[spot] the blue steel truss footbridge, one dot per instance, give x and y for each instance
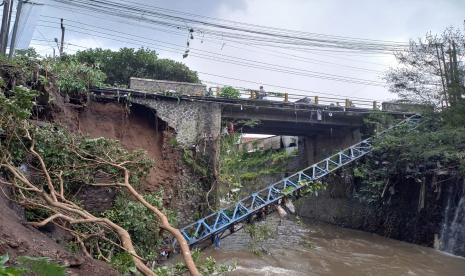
(213, 226)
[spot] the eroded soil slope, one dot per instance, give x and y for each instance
(138, 127)
(19, 239)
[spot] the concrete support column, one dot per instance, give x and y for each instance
(321, 145)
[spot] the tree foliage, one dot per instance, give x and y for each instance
(47, 165)
(73, 77)
(230, 92)
(121, 65)
(237, 167)
(430, 71)
(40, 266)
(435, 148)
(207, 266)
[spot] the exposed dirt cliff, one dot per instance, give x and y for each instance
(137, 127)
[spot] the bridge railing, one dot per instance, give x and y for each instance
(214, 224)
(296, 98)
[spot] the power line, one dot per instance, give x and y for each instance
(254, 25)
(273, 53)
(223, 40)
(261, 34)
(238, 61)
(98, 27)
(254, 82)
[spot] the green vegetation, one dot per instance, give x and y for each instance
(435, 150)
(26, 265)
(70, 159)
(120, 65)
(8, 270)
(207, 266)
(197, 163)
(239, 167)
(258, 233)
(142, 224)
(230, 92)
(73, 77)
(430, 71)
(313, 188)
(436, 147)
(47, 166)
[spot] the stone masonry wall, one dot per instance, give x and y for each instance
(160, 86)
(192, 121)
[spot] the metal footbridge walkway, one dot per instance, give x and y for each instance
(214, 225)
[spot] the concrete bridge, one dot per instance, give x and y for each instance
(322, 129)
(197, 121)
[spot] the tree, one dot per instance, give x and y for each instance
(230, 92)
(75, 78)
(121, 65)
(429, 70)
(62, 162)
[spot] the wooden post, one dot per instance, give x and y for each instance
(316, 99)
(286, 97)
(217, 91)
(375, 106)
(253, 94)
(347, 103)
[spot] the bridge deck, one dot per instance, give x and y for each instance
(238, 103)
(275, 117)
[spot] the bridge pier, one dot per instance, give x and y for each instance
(320, 145)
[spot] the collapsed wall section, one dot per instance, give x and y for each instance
(192, 121)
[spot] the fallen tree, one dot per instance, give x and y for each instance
(45, 165)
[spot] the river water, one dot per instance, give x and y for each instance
(306, 248)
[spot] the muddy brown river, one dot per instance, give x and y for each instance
(306, 248)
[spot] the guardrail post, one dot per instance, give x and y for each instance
(286, 97)
(252, 94)
(347, 103)
(316, 99)
(375, 106)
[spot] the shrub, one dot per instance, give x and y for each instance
(230, 92)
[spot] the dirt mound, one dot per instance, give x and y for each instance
(19, 239)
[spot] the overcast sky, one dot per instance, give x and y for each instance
(393, 20)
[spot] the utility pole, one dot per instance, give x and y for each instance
(15, 29)
(9, 23)
(444, 89)
(4, 29)
(62, 37)
(459, 90)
